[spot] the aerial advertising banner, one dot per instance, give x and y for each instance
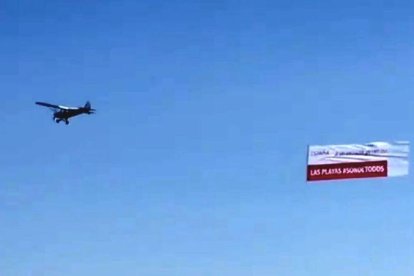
(377, 159)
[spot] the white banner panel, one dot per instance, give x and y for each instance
(376, 159)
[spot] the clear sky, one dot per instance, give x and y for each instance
(195, 161)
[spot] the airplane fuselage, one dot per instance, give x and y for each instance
(64, 115)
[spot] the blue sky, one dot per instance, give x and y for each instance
(195, 161)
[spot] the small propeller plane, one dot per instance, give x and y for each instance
(63, 113)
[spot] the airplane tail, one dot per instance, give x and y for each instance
(89, 108)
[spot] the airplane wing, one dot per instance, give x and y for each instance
(53, 106)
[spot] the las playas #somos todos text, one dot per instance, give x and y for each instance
(364, 169)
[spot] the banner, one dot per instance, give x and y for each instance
(377, 159)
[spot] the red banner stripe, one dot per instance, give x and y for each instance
(347, 170)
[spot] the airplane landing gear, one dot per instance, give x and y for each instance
(59, 120)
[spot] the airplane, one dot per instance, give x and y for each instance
(63, 113)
